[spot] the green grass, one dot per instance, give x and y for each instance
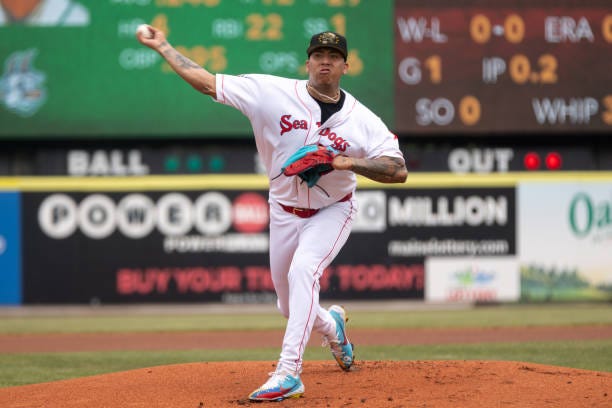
(28, 368)
(502, 316)
(21, 369)
(166, 323)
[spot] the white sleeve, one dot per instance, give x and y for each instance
(382, 142)
(241, 92)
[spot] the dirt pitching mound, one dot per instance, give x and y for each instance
(438, 384)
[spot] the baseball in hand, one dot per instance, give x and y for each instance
(143, 31)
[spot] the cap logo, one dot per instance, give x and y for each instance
(328, 38)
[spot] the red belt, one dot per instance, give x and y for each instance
(309, 212)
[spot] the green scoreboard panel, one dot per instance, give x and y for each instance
(73, 68)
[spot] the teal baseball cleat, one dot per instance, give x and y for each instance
(341, 347)
(280, 386)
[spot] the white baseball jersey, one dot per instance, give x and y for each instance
(285, 117)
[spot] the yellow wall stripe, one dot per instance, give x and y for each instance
(252, 181)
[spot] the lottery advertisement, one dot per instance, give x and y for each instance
(407, 227)
(565, 240)
(472, 279)
(450, 222)
(153, 246)
(158, 246)
(181, 246)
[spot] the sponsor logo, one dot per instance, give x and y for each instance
(135, 216)
(372, 214)
(470, 277)
(590, 218)
(444, 247)
(471, 210)
(472, 285)
(250, 213)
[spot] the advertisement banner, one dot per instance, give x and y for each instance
(565, 240)
(402, 228)
(153, 246)
(10, 248)
(188, 246)
(451, 222)
(181, 247)
(471, 279)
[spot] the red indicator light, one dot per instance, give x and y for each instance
(553, 161)
(531, 161)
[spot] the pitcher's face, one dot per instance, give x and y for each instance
(326, 66)
(20, 9)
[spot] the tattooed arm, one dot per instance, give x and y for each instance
(192, 73)
(383, 169)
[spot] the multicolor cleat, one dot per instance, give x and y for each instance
(280, 386)
(341, 348)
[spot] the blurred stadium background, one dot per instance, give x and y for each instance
(121, 185)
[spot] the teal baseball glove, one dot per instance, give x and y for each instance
(310, 162)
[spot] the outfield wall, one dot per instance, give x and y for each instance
(439, 237)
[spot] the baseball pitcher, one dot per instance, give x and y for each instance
(313, 137)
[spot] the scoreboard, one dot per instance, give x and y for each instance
(503, 66)
(426, 67)
(86, 77)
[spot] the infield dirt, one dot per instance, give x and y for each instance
(439, 384)
(432, 384)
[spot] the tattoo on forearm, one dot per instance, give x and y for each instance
(385, 170)
(185, 62)
(198, 77)
(182, 61)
